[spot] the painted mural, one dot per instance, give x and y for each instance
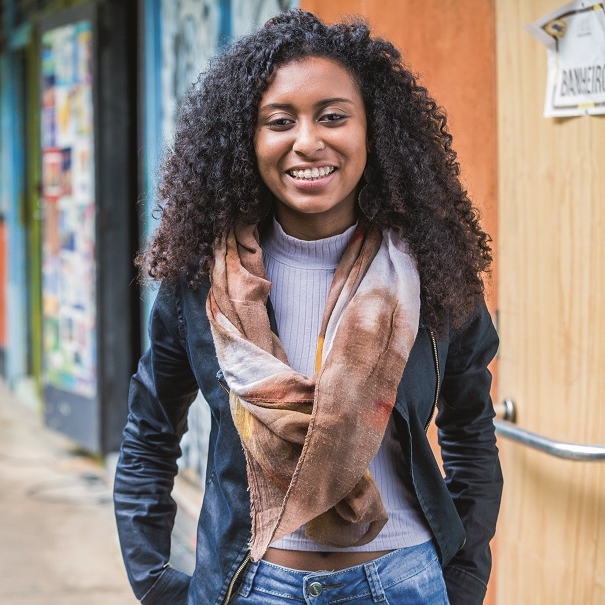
(192, 32)
(249, 15)
(68, 263)
(190, 36)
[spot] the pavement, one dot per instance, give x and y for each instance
(58, 540)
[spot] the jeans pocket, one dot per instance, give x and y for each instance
(427, 587)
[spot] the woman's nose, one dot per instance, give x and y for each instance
(308, 140)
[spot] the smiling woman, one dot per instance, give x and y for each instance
(310, 143)
(321, 272)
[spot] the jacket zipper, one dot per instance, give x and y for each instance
(243, 564)
(235, 577)
(224, 388)
(438, 387)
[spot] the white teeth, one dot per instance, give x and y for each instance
(311, 174)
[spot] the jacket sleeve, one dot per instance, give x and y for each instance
(470, 456)
(159, 397)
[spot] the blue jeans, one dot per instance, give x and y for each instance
(408, 576)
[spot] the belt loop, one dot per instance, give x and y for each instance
(373, 578)
(246, 586)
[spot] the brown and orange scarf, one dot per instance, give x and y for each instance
(309, 440)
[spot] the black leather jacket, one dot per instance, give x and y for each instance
(460, 510)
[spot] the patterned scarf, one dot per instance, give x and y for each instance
(308, 440)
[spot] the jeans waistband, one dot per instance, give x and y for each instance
(370, 578)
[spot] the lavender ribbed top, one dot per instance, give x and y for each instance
(301, 272)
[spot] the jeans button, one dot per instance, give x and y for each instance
(314, 589)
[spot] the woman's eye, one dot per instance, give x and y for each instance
(332, 117)
(279, 123)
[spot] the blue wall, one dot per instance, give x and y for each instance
(13, 198)
(190, 36)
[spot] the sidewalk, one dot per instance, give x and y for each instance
(58, 542)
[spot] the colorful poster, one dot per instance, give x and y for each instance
(68, 263)
(574, 36)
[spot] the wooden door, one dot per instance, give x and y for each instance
(551, 535)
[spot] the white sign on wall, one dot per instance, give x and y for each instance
(574, 35)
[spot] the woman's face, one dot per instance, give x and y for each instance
(311, 146)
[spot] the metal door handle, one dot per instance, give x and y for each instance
(504, 423)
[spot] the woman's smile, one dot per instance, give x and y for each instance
(312, 178)
(311, 174)
(311, 146)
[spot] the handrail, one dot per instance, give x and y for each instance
(569, 451)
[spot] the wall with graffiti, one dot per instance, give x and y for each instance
(193, 31)
(181, 37)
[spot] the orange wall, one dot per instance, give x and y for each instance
(451, 46)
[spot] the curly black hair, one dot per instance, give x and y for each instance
(210, 178)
